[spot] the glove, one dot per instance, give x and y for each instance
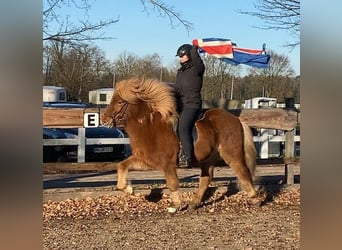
(194, 50)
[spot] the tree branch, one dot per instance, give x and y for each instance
(279, 15)
(80, 33)
(169, 12)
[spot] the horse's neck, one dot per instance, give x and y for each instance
(138, 111)
(142, 120)
(138, 116)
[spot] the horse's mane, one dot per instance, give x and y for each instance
(159, 96)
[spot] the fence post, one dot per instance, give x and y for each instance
(264, 144)
(289, 174)
(81, 145)
(289, 144)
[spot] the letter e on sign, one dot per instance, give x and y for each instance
(91, 120)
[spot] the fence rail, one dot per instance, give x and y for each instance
(264, 119)
(81, 141)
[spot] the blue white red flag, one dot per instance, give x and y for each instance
(218, 47)
(227, 51)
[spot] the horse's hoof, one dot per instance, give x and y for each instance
(182, 206)
(129, 189)
(177, 207)
(194, 205)
(174, 209)
(257, 201)
(254, 202)
(195, 202)
(176, 200)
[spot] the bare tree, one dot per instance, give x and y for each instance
(167, 11)
(275, 79)
(85, 30)
(67, 30)
(78, 69)
(125, 65)
(279, 65)
(218, 78)
(129, 65)
(279, 15)
(150, 66)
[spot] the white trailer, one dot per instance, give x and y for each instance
(54, 94)
(101, 96)
(264, 147)
(260, 102)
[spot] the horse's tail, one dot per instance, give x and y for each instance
(250, 151)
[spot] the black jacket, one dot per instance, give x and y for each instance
(189, 82)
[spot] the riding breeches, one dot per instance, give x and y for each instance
(187, 119)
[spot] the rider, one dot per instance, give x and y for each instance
(188, 93)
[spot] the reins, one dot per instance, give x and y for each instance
(118, 117)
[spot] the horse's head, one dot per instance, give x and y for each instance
(114, 116)
(150, 93)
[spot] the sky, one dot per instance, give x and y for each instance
(142, 33)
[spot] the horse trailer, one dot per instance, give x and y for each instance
(101, 96)
(54, 94)
(260, 102)
(265, 148)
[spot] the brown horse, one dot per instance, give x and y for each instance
(147, 110)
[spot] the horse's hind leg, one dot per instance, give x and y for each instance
(246, 180)
(206, 177)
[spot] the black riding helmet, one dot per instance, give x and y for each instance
(184, 50)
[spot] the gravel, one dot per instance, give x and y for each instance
(224, 221)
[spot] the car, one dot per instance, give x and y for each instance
(68, 153)
(54, 153)
(96, 152)
(68, 105)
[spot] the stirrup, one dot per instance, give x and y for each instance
(187, 162)
(182, 161)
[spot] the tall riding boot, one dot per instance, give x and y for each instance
(191, 162)
(182, 160)
(187, 162)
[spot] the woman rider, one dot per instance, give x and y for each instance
(188, 93)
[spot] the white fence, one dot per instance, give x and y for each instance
(263, 142)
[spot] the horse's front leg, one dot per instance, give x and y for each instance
(206, 177)
(122, 172)
(172, 182)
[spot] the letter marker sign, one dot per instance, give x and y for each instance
(91, 120)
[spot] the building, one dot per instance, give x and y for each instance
(101, 97)
(54, 94)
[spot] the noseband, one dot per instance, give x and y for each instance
(118, 118)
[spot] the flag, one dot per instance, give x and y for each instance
(218, 47)
(252, 57)
(227, 51)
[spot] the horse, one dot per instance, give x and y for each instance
(147, 110)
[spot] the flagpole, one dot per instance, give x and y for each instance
(161, 69)
(232, 89)
(113, 79)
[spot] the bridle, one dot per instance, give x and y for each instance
(118, 117)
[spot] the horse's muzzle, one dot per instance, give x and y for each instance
(110, 122)
(116, 119)
(107, 121)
